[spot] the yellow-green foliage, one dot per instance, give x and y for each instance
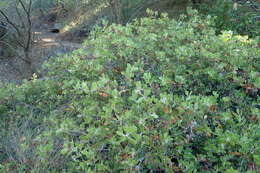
(243, 19)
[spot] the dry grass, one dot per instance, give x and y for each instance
(24, 147)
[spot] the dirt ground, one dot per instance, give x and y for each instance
(46, 45)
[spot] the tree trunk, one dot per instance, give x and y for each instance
(28, 65)
(116, 8)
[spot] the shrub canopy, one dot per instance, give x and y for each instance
(156, 95)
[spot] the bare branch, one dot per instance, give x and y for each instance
(5, 29)
(30, 25)
(10, 22)
(23, 29)
(28, 17)
(20, 16)
(23, 6)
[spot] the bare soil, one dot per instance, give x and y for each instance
(46, 45)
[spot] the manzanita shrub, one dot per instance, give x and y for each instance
(156, 95)
(243, 19)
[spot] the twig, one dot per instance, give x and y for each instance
(11, 23)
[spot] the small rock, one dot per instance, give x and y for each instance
(55, 29)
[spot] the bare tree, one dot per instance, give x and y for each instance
(19, 27)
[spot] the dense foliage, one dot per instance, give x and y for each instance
(157, 95)
(241, 17)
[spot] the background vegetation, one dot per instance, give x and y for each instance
(241, 17)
